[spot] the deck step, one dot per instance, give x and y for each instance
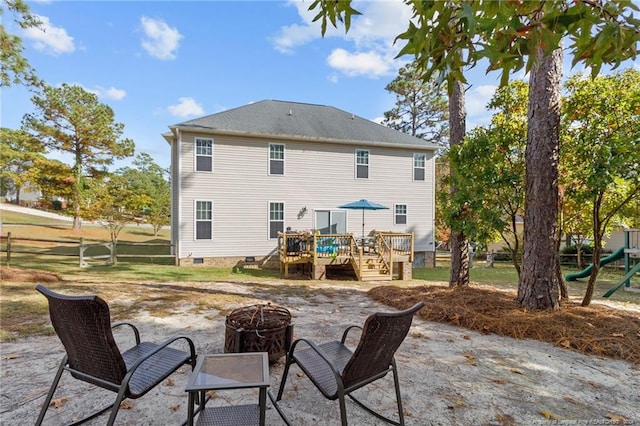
(374, 275)
(378, 277)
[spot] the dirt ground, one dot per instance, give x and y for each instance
(470, 358)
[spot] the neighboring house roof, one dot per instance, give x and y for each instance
(294, 120)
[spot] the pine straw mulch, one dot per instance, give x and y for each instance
(595, 329)
(28, 275)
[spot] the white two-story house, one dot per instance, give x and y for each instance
(241, 176)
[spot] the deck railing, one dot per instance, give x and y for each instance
(298, 247)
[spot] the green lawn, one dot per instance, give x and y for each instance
(146, 269)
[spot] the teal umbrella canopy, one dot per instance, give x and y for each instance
(363, 205)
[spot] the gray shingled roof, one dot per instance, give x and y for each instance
(307, 121)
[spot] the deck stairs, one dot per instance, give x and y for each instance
(373, 269)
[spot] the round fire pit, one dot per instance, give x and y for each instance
(259, 328)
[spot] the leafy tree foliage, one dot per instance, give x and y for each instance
(18, 152)
(489, 174)
(602, 151)
(573, 220)
(108, 201)
(14, 67)
(150, 192)
(447, 37)
(443, 231)
(420, 110)
(69, 119)
(53, 178)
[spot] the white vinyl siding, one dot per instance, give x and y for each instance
(204, 220)
(419, 166)
(276, 159)
(400, 214)
(204, 155)
(362, 164)
(319, 176)
(276, 218)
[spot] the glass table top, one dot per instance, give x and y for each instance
(230, 371)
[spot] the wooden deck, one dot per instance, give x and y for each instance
(377, 258)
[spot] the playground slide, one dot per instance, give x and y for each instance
(618, 254)
(624, 279)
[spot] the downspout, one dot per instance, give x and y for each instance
(178, 185)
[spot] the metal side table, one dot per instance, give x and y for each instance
(229, 371)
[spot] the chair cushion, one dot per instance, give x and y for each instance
(155, 369)
(317, 369)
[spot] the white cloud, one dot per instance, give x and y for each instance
(161, 41)
(355, 64)
(50, 39)
(333, 78)
(186, 107)
(476, 100)
(369, 42)
(293, 36)
(112, 93)
(379, 24)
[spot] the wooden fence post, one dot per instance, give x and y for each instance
(113, 248)
(81, 252)
(8, 247)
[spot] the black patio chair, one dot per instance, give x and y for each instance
(84, 326)
(337, 371)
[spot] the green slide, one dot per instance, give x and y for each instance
(624, 279)
(618, 254)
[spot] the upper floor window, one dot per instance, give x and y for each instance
(276, 219)
(204, 155)
(400, 214)
(204, 220)
(362, 164)
(419, 166)
(276, 159)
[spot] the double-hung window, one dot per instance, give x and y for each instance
(276, 218)
(204, 155)
(362, 164)
(276, 159)
(204, 220)
(419, 166)
(400, 214)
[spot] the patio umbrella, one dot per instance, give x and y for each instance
(363, 205)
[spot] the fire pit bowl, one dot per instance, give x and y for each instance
(259, 328)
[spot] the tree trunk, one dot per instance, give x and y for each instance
(516, 246)
(562, 285)
(579, 259)
(597, 249)
(77, 210)
(538, 287)
(459, 243)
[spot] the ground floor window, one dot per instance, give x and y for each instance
(204, 220)
(276, 218)
(331, 221)
(400, 214)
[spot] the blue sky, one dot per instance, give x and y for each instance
(158, 63)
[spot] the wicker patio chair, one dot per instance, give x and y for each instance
(84, 326)
(337, 371)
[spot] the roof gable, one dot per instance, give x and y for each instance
(301, 120)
